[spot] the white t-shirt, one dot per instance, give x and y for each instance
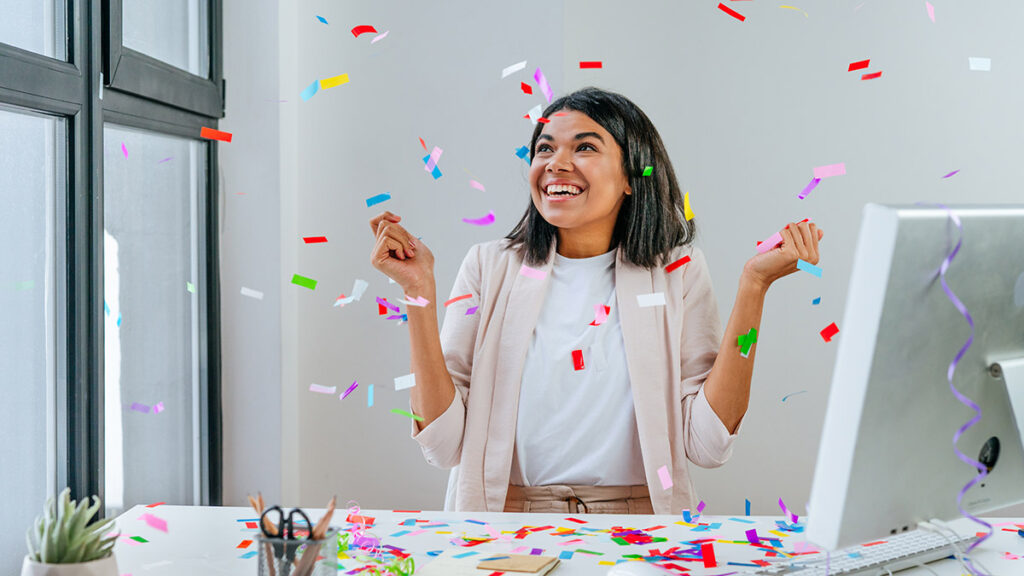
(577, 426)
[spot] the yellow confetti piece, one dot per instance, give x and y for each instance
(606, 563)
(334, 81)
(687, 211)
(777, 533)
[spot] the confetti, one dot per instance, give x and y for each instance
(931, 11)
(211, 134)
(300, 280)
(244, 544)
(310, 90)
(358, 288)
(369, 396)
(314, 239)
(418, 301)
(816, 301)
(380, 36)
(785, 512)
(648, 170)
(687, 211)
(456, 299)
(534, 114)
(746, 341)
(542, 83)
(509, 70)
(808, 267)
(322, 19)
(155, 504)
(953, 173)
(649, 300)
(829, 331)
(158, 407)
(154, 522)
(190, 287)
(830, 170)
(252, 293)
(859, 65)
(532, 272)
(590, 64)
(140, 407)
(871, 76)
(677, 264)
(747, 506)
(600, 314)
(810, 186)
(483, 221)
(333, 81)
(665, 477)
(731, 12)
(752, 536)
(436, 173)
(707, 553)
(407, 414)
(168, 159)
(348, 390)
(377, 199)
(577, 360)
(124, 149)
(471, 311)
(433, 157)
(523, 152)
(770, 242)
(787, 396)
(525, 88)
(322, 389)
(980, 64)
(405, 382)
(363, 29)
(388, 305)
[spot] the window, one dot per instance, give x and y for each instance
(108, 238)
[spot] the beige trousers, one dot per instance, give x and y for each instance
(560, 499)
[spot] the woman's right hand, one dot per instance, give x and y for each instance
(401, 257)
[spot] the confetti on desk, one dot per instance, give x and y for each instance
(124, 149)
(154, 522)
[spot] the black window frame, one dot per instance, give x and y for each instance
(71, 90)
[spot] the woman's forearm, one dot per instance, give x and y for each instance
(728, 386)
(434, 388)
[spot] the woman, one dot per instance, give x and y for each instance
(544, 402)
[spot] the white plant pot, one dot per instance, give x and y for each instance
(102, 567)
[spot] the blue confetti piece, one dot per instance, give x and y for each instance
(400, 533)
(249, 554)
(322, 19)
(435, 552)
(106, 309)
(377, 199)
(748, 507)
(743, 520)
(523, 152)
(118, 320)
(686, 516)
(495, 558)
(476, 522)
(565, 555)
(816, 301)
(808, 267)
(369, 403)
(464, 555)
(436, 173)
(310, 90)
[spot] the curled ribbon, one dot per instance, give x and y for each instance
(982, 470)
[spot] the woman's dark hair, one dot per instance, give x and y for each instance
(651, 221)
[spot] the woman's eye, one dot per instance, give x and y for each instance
(586, 146)
(543, 148)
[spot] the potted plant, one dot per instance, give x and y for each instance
(63, 542)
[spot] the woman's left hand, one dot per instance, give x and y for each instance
(799, 242)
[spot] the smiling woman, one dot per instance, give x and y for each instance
(594, 368)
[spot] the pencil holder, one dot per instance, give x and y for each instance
(280, 557)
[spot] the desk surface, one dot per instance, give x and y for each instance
(212, 540)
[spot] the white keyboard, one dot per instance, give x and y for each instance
(898, 552)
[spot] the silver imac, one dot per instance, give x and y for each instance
(886, 459)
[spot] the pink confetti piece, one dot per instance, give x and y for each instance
(542, 83)
(830, 170)
(168, 159)
(518, 550)
(785, 512)
(566, 543)
(158, 408)
(532, 272)
(124, 149)
(154, 522)
(477, 185)
(802, 546)
(953, 173)
(931, 11)
(482, 221)
(418, 301)
(471, 311)
(600, 314)
(666, 478)
(140, 407)
(348, 391)
(810, 186)
(322, 389)
(380, 36)
(435, 155)
(770, 242)
(389, 305)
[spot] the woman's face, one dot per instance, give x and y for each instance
(576, 177)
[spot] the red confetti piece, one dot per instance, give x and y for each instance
(422, 143)
(251, 525)
(859, 65)
(211, 134)
(408, 511)
(577, 360)
(244, 544)
(457, 298)
(561, 114)
(871, 76)
(543, 120)
(362, 30)
(356, 519)
(381, 309)
(526, 88)
(314, 239)
(731, 12)
(707, 552)
(576, 520)
(590, 64)
(829, 331)
(155, 504)
(876, 543)
(676, 264)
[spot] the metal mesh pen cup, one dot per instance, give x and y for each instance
(280, 557)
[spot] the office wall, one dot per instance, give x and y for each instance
(746, 109)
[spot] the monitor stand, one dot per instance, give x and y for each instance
(1012, 374)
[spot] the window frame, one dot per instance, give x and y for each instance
(72, 89)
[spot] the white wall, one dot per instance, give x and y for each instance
(746, 109)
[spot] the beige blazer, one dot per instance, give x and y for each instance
(669, 353)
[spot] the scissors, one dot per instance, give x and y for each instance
(286, 530)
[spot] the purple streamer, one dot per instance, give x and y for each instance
(810, 186)
(982, 471)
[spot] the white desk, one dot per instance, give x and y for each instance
(204, 540)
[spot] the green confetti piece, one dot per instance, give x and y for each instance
(648, 170)
(620, 541)
(747, 340)
(582, 551)
(407, 414)
(190, 287)
(300, 280)
(140, 539)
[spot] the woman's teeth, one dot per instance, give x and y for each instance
(563, 190)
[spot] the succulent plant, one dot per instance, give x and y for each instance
(63, 534)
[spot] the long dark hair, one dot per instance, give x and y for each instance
(651, 221)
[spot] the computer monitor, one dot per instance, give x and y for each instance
(886, 459)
